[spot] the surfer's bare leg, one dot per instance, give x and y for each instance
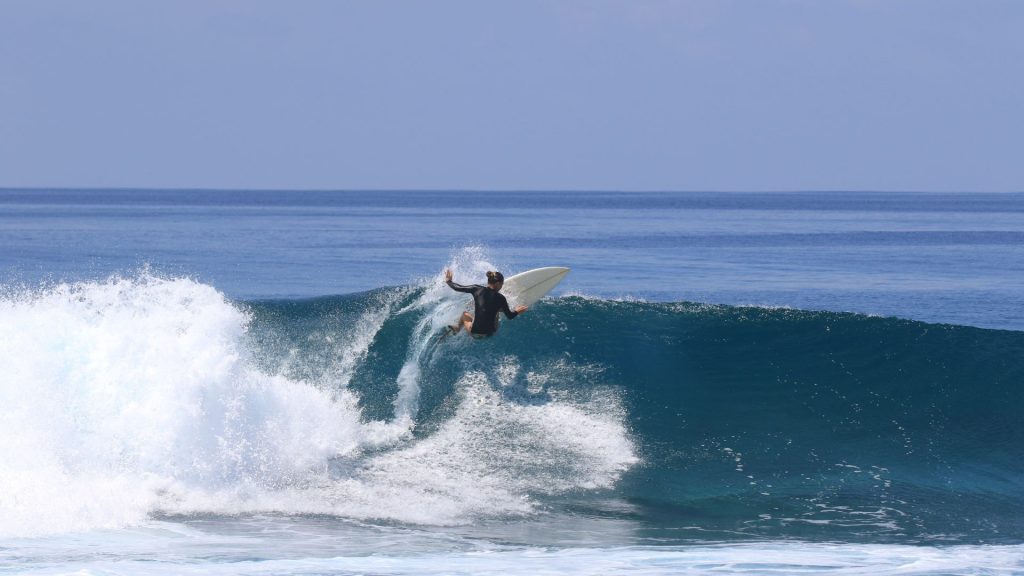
(465, 322)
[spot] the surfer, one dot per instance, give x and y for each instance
(488, 302)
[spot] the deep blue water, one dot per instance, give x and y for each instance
(253, 383)
(938, 257)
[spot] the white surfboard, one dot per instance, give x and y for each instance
(525, 288)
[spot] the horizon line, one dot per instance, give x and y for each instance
(495, 190)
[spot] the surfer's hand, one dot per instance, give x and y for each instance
(521, 309)
(448, 275)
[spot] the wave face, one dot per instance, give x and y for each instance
(147, 396)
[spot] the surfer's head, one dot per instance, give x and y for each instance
(495, 280)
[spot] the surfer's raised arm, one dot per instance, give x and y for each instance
(453, 285)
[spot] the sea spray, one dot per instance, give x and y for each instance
(122, 396)
(139, 396)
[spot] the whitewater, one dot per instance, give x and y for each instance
(137, 396)
(156, 422)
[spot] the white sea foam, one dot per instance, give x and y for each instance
(130, 396)
(492, 454)
(119, 395)
(280, 549)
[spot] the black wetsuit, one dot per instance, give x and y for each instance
(488, 304)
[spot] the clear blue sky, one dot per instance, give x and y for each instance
(587, 94)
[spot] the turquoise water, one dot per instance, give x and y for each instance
(252, 383)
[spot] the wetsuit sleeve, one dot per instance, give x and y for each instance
(460, 287)
(504, 308)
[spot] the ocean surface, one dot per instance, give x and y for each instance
(253, 382)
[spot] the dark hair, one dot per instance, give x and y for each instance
(495, 277)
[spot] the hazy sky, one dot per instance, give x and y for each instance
(588, 94)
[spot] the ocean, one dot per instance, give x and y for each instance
(253, 382)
